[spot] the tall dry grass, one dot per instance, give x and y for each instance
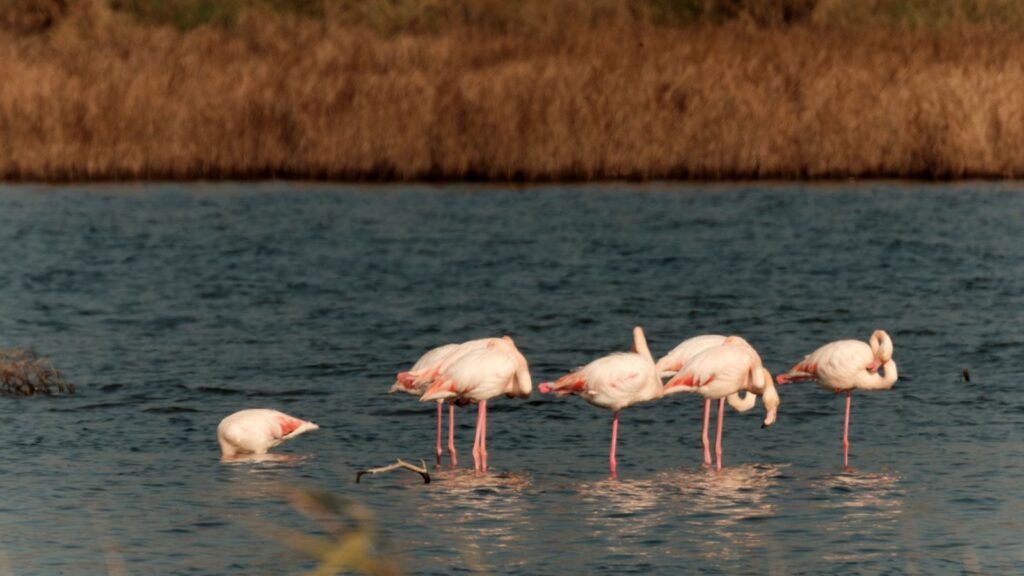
(571, 90)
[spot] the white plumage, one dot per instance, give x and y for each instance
(257, 430)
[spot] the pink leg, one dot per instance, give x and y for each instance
(451, 434)
(704, 436)
(476, 442)
(846, 431)
(718, 435)
(439, 417)
(615, 439)
(483, 437)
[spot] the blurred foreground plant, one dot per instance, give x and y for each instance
(351, 544)
(25, 373)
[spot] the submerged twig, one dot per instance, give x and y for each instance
(421, 470)
(25, 373)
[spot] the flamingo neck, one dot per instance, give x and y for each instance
(640, 344)
(771, 401)
(880, 381)
(881, 346)
(741, 404)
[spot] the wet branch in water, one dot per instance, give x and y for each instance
(421, 470)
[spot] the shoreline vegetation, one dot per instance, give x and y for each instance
(510, 90)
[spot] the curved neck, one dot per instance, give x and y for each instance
(741, 404)
(771, 401)
(881, 346)
(879, 381)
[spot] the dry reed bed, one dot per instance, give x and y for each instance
(102, 98)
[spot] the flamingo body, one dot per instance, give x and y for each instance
(614, 382)
(840, 366)
(676, 358)
(431, 358)
(257, 430)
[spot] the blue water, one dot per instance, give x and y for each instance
(171, 306)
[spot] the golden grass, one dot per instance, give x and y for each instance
(563, 90)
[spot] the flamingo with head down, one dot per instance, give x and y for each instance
(680, 356)
(613, 382)
(480, 374)
(257, 430)
(845, 366)
(721, 372)
(408, 383)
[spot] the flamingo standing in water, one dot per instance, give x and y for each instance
(257, 430)
(613, 382)
(720, 373)
(479, 374)
(409, 383)
(680, 356)
(845, 366)
(425, 371)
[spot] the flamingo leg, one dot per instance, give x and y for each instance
(439, 418)
(718, 434)
(615, 438)
(476, 442)
(483, 437)
(846, 431)
(704, 436)
(451, 434)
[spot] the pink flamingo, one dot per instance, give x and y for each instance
(721, 372)
(844, 366)
(422, 375)
(407, 382)
(479, 374)
(614, 382)
(257, 430)
(681, 355)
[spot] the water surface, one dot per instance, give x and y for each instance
(171, 306)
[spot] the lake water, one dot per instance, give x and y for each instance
(171, 306)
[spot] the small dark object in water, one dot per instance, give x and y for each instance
(967, 375)
(421, 470)
(25, 373)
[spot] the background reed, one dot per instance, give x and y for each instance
(510, 90)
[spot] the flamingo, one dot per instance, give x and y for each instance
(480, 374)
(721, 372)
(257, 430)
(407, 382)
(673, 362)
(614, 382)
(845, 366)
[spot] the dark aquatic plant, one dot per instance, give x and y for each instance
(25, 373)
